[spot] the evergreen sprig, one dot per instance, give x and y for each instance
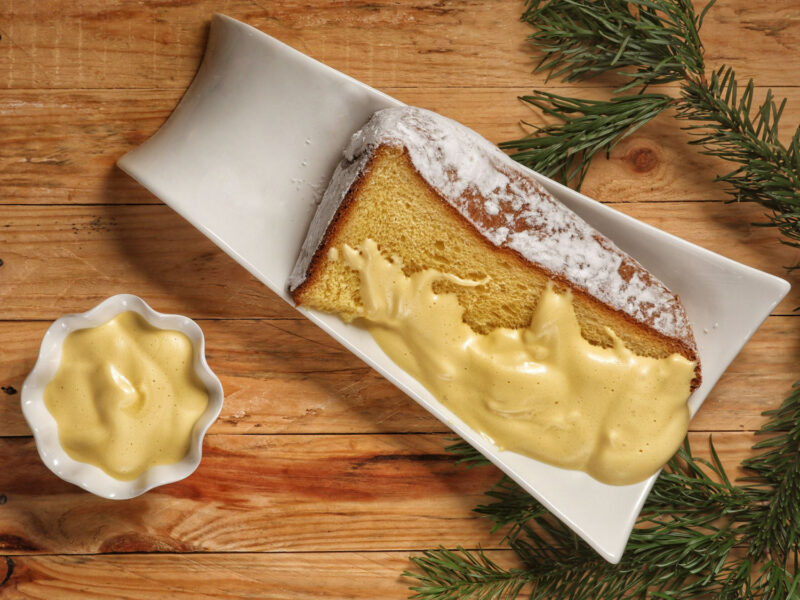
(649, 42)
(645, 41)
(564, 150)
(774, 487)
(699, 534)
(726, 126)
(449, 575)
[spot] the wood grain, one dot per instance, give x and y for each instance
(64, 143)
(122, 44)
(59, 259)
(66, 259)
(287, 376)
(421, 43)
(266, 493)
(284, 576)
(258, 493)
(62, 146)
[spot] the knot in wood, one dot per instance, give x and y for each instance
(643, 159)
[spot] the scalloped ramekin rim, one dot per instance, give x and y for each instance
(45, 428)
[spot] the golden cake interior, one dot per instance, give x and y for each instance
(391, 204)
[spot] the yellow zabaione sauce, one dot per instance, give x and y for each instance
(542, 391)
(126, 396)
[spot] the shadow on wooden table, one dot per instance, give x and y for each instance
(340, 460)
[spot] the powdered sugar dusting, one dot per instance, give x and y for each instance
(491, 207)
(508, 206)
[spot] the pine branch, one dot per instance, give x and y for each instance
(564, 150)
(512, 507)
(448, 575)
(655, 41)
(645, 41)
(681, 548)
(768, 172)
(775, 486)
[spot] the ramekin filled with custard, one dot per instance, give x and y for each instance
(120, 398)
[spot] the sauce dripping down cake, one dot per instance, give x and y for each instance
(430, 204)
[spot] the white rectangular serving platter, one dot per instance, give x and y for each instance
(247, 154)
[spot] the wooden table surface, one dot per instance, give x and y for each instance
(319, 479)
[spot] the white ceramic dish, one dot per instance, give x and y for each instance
(45, 429)
(247, 154)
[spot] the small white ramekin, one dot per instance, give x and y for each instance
(45, 428)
